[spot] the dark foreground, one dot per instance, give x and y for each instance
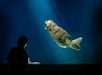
(45, 67)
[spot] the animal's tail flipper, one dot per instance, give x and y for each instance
(75, 44)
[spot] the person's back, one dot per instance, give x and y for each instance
(18, 57)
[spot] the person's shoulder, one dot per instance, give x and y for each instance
(13, 48)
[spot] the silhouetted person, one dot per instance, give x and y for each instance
(18, 57)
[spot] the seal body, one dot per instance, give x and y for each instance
(60, 35)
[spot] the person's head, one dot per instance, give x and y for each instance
(22, 41)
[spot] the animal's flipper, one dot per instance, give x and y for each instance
(75, 44)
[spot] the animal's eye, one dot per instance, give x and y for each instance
(47, 26)
(49, 29)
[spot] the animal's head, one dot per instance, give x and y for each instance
(49, 23)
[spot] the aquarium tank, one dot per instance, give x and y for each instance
(80, 18)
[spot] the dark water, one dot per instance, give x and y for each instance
(26, 17)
